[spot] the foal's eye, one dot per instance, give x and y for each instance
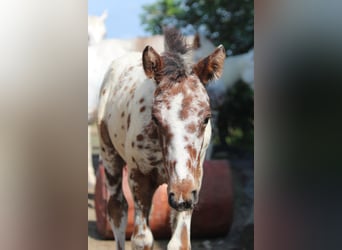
(206, 120)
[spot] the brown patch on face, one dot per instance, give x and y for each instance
(184, 113)
(184, 188)
(142, 109)
(192, 84)
(128, 121)
(204, 105)
(192, 152)
(191, 128)
(184, 238)
(186, 102)
(141, 100)
(198, 173)
(140, 137)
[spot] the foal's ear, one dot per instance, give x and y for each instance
(196, 44)
(152, 63)
(212, 66)
(104, 15)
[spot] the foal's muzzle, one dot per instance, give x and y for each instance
(183, 204)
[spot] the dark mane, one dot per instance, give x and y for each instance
(175, 65)
(175, 42)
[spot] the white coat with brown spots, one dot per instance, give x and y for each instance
(102, 53)
(154, 116)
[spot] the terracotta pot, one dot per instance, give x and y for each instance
(211, 218)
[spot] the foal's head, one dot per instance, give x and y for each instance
(181, 113)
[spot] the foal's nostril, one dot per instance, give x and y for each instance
(194, 196)
(172, 200)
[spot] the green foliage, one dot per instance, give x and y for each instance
(230, 23)
(236, 117)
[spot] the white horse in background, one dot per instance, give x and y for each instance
(101, 55)
(97, 28)
(239, 67)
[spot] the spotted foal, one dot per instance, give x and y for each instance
(154, 116)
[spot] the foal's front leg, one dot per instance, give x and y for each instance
(143, 188)
(180, 222)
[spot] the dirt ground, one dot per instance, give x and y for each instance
(95, 241)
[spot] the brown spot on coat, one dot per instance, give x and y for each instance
(141, 100)
(186, 103)
(151, 158)
(140, 137)
(142, 109)
(155, 163)
(191, 128)
(123, 114)
(128, 121)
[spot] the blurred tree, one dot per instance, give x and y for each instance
(227, 22)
